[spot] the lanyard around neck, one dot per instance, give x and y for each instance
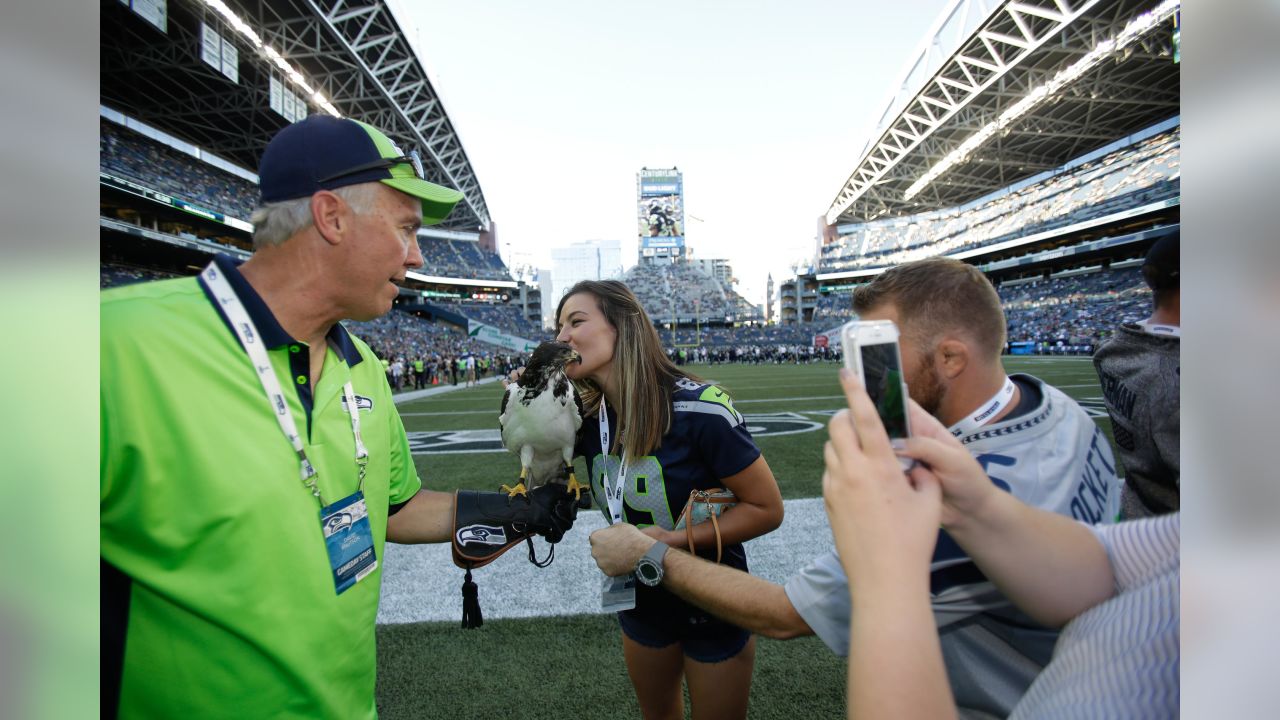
(612, 490)
(985, 411)
(251, 339)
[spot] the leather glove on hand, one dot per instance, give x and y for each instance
(487, 524)
(552, 511)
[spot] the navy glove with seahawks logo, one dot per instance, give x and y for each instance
(487, 524)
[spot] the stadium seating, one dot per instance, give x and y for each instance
(685, 292)
(400, 334)
(128, 154)
(508, 318)
(1145, 172)
(1062, 315)
(460, 259)
(1078, 311)
(833, 308)
(133, 156)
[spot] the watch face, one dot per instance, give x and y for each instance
(649, 572)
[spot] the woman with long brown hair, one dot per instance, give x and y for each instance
(652, 434)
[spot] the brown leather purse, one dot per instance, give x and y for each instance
(706, 505)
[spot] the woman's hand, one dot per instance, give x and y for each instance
(885, 522)
(966, 489)
(671, 538)
(513, 376)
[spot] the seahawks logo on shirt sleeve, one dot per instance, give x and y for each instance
(706, 399)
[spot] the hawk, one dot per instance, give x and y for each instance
(540, 417)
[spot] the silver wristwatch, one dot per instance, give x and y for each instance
(649, 566)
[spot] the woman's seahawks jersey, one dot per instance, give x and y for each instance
(708, 441)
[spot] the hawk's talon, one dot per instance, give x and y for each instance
(575, 487)
(511, 492)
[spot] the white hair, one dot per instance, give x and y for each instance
(273, 223)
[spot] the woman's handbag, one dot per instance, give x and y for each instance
(706, 505)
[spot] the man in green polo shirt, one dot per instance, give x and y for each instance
(252, 461)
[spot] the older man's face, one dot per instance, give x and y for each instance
(384, 247)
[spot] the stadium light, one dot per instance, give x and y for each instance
(1134, 30)
(296, 77)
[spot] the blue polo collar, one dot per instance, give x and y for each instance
(268, 327)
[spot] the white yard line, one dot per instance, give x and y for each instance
(411, 395)
(420, 583)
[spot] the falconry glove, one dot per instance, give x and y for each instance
(487, 524)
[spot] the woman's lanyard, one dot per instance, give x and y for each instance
(612, 490)
(250, 338)
(985, 412)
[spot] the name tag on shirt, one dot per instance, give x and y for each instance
(349, 540)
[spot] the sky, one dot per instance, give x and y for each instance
(764, 106)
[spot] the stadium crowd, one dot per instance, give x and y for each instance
(128, 154)
(1074, 312)
(133, 156)
(418, 352)
(1065, 315)
(1145, 172)
(506, 317)
(685, 292)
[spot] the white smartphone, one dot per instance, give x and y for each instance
(871, 352)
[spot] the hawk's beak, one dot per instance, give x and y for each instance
(574, 357)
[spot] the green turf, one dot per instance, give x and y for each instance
(756, 389)
(568, 667)
(571, 667)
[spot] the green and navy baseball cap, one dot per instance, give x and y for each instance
(323, 152)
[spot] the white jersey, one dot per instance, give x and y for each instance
(1053, 457)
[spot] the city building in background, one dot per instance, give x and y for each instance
(768, 302)
(718, 268)
(586, 260)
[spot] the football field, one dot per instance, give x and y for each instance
(545, 650)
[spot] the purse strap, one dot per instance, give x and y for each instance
(706, 497)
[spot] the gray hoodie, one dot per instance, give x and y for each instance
(1140, 374)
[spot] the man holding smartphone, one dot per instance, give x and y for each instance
(1031, 439)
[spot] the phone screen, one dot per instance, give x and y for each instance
(883, 376)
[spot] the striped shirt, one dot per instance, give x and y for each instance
(1119, 659)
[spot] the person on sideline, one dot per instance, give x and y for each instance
(651, 435)
(252, 460)
(1140, 369)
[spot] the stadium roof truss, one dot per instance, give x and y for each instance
(353, 53)
(1035, 84)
